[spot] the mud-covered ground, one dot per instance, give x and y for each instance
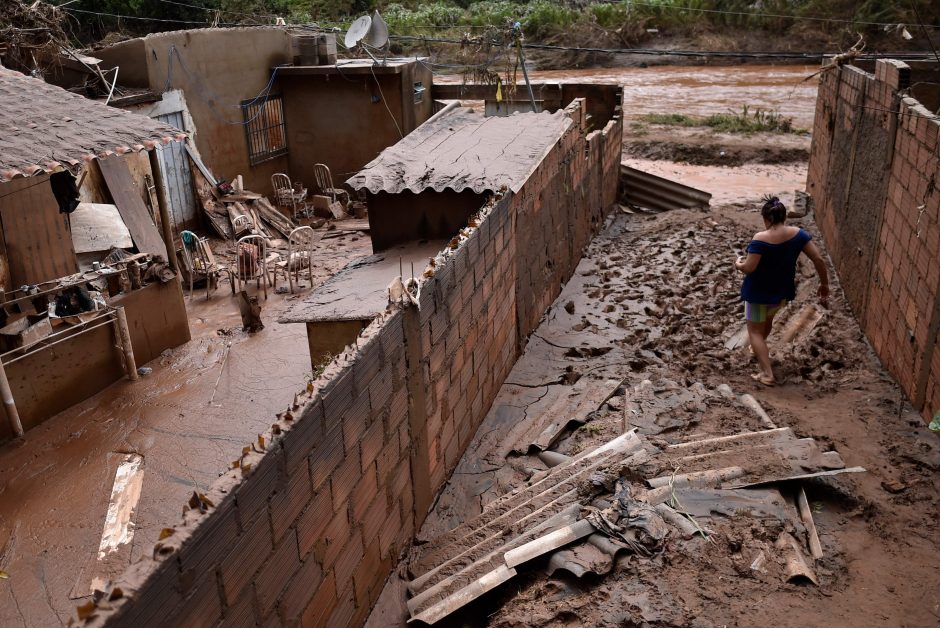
(668, 280)
(656, 299)
(704, 147)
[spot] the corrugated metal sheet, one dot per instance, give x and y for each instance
(44, 128)
(652, 192)
(461, 149)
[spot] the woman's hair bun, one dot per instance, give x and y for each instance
(773, 210)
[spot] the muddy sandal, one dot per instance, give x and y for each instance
(766, 380)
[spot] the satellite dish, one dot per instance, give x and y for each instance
(358, 30)
(377, 36)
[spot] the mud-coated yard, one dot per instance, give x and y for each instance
(643, 336)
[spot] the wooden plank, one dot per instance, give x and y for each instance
(117, 176)
(98, 227)
(36, 234)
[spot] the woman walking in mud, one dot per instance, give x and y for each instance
(770, 278)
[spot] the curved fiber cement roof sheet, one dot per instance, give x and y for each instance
(44, 128)
(463, 150)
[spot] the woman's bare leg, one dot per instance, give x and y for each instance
(757, 334)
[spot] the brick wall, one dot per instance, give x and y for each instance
(306, 527)
(873, 172)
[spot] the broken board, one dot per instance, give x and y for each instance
(98, 227)
(117, 176)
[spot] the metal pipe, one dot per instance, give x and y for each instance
(130, 365)
(525, 75)
(9, 404)
(163, 205)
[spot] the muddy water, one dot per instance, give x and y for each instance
(703, 90)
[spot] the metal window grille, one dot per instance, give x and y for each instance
(265, 128)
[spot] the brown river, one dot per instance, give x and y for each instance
(702, 90)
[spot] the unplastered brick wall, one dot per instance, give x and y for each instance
(307, 525)
(873, 174)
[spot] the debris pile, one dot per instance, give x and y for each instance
(639, 496)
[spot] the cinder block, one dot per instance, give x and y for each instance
(210, 542)
(249, 551)
(335, 536)
(278, 571)
(345, 478)
(202, 608)
(347, 561)
(318, 611)
(326, 456)
(300, 589)
(289, 501)
(314, 520)
(362, 495)
(306, 431)
(251, 498)
(388, 532)
(345, 611)
(355, 419)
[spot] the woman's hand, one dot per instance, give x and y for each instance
(738, 263)
(823, 293)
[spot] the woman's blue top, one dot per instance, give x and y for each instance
(774, 279)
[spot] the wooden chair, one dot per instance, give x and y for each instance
(286, 196)
(299, 252)
(324, 181)
(251, 262)
(199, 263)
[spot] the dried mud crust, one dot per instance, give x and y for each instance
(702, 147)
(662, 290)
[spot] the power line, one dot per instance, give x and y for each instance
(218, 10)
(671, 52)
(137, 17)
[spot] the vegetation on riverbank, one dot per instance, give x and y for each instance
(744, 122)
(705, 24)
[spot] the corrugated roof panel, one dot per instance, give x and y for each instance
(461, 149)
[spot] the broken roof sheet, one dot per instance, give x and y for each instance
(44, 128)
(461, 149)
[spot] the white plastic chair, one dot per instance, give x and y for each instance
(240, 223)
(286, 196)
(299, 253)
(200, 263)
(324, 181)
(252, 265)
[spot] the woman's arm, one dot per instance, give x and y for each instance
(748, 265)
(812, 252)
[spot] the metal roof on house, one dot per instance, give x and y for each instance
(44, 128)
(461, 149)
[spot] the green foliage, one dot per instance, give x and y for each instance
(743, 122)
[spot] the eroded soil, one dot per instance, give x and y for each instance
(655, 300)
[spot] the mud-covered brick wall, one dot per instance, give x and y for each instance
(468, 340)
(306, 527)
(559, 209)
(873, 173)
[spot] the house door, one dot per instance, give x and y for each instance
(177, 177)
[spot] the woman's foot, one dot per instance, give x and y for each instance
(764, 378)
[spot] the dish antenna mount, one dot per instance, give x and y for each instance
(368, 34)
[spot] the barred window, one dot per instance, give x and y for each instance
(265, 128)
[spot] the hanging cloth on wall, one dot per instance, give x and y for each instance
(65, 191)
